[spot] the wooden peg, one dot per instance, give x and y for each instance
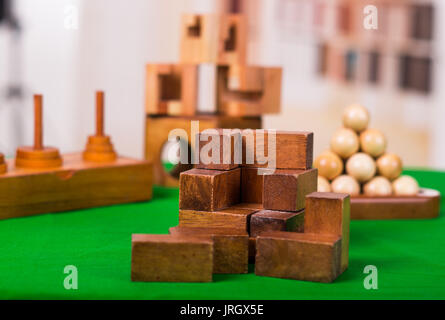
(99, 146)
(38, 156)
(3, 167)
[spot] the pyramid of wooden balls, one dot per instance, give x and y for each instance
(357, 162)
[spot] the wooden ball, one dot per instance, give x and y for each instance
(389, 165)
(346, 184)
(405, 186)
(361, 166)
(378, 186)
(344, 142)
(373, 142)
(329, 165)
(323, 185)
(356, 117)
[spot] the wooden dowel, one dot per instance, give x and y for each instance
(38, 125)
(100, 113)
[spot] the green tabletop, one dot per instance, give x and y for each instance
(409, 256)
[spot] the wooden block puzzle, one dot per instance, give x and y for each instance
(230, 247)
(329, 213)
(209, 190)
(228, 218)
(299, 256)
(267, 220)
(40, 180)
(252, 185)
(165, 258)
(286, 190)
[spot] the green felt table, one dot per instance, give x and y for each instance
(409, 256)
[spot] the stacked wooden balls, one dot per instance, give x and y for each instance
(357, 162)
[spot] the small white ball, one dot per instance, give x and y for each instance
(323, 185)
(405, 186)
(346, 184)
(361, 166)
(378, 186)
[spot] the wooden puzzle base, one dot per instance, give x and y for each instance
(425, 205)
(75, 185)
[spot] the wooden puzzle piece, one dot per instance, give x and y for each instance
(252, 181)
(293, 149)
(38, 156)
(230, 246)
(171, 89)
(286, 190)
(299, 256)
(213, 38)
(267, 220)
(99, 147)
(209, 190)
(229, 147)
(227, 218)
(248, 90)
(164, 258)
(329, 213)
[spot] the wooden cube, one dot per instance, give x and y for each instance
(329, 213)
(267, 220)
(227, 142)
(286, 190)
(293, 150)
(209, 190)
(165, 258)
(230, 247)
(226, 218)
(299, 256)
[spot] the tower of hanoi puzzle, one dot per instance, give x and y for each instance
(41, 180)
(212, 83)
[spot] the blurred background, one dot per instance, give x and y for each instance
(68, 49)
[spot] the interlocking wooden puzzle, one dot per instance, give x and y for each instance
(212, 83)
(286, 228)
(41, 180)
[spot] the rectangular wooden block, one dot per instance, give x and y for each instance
(75, 185)
(286, 190)
(267, 220)
(299, 256)
(422, 206)
(252, 185)
(226, 218)
(230, 247)
(227, 144)
(164, 258)
(289, 149)
(209, 190)
(329, 213)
